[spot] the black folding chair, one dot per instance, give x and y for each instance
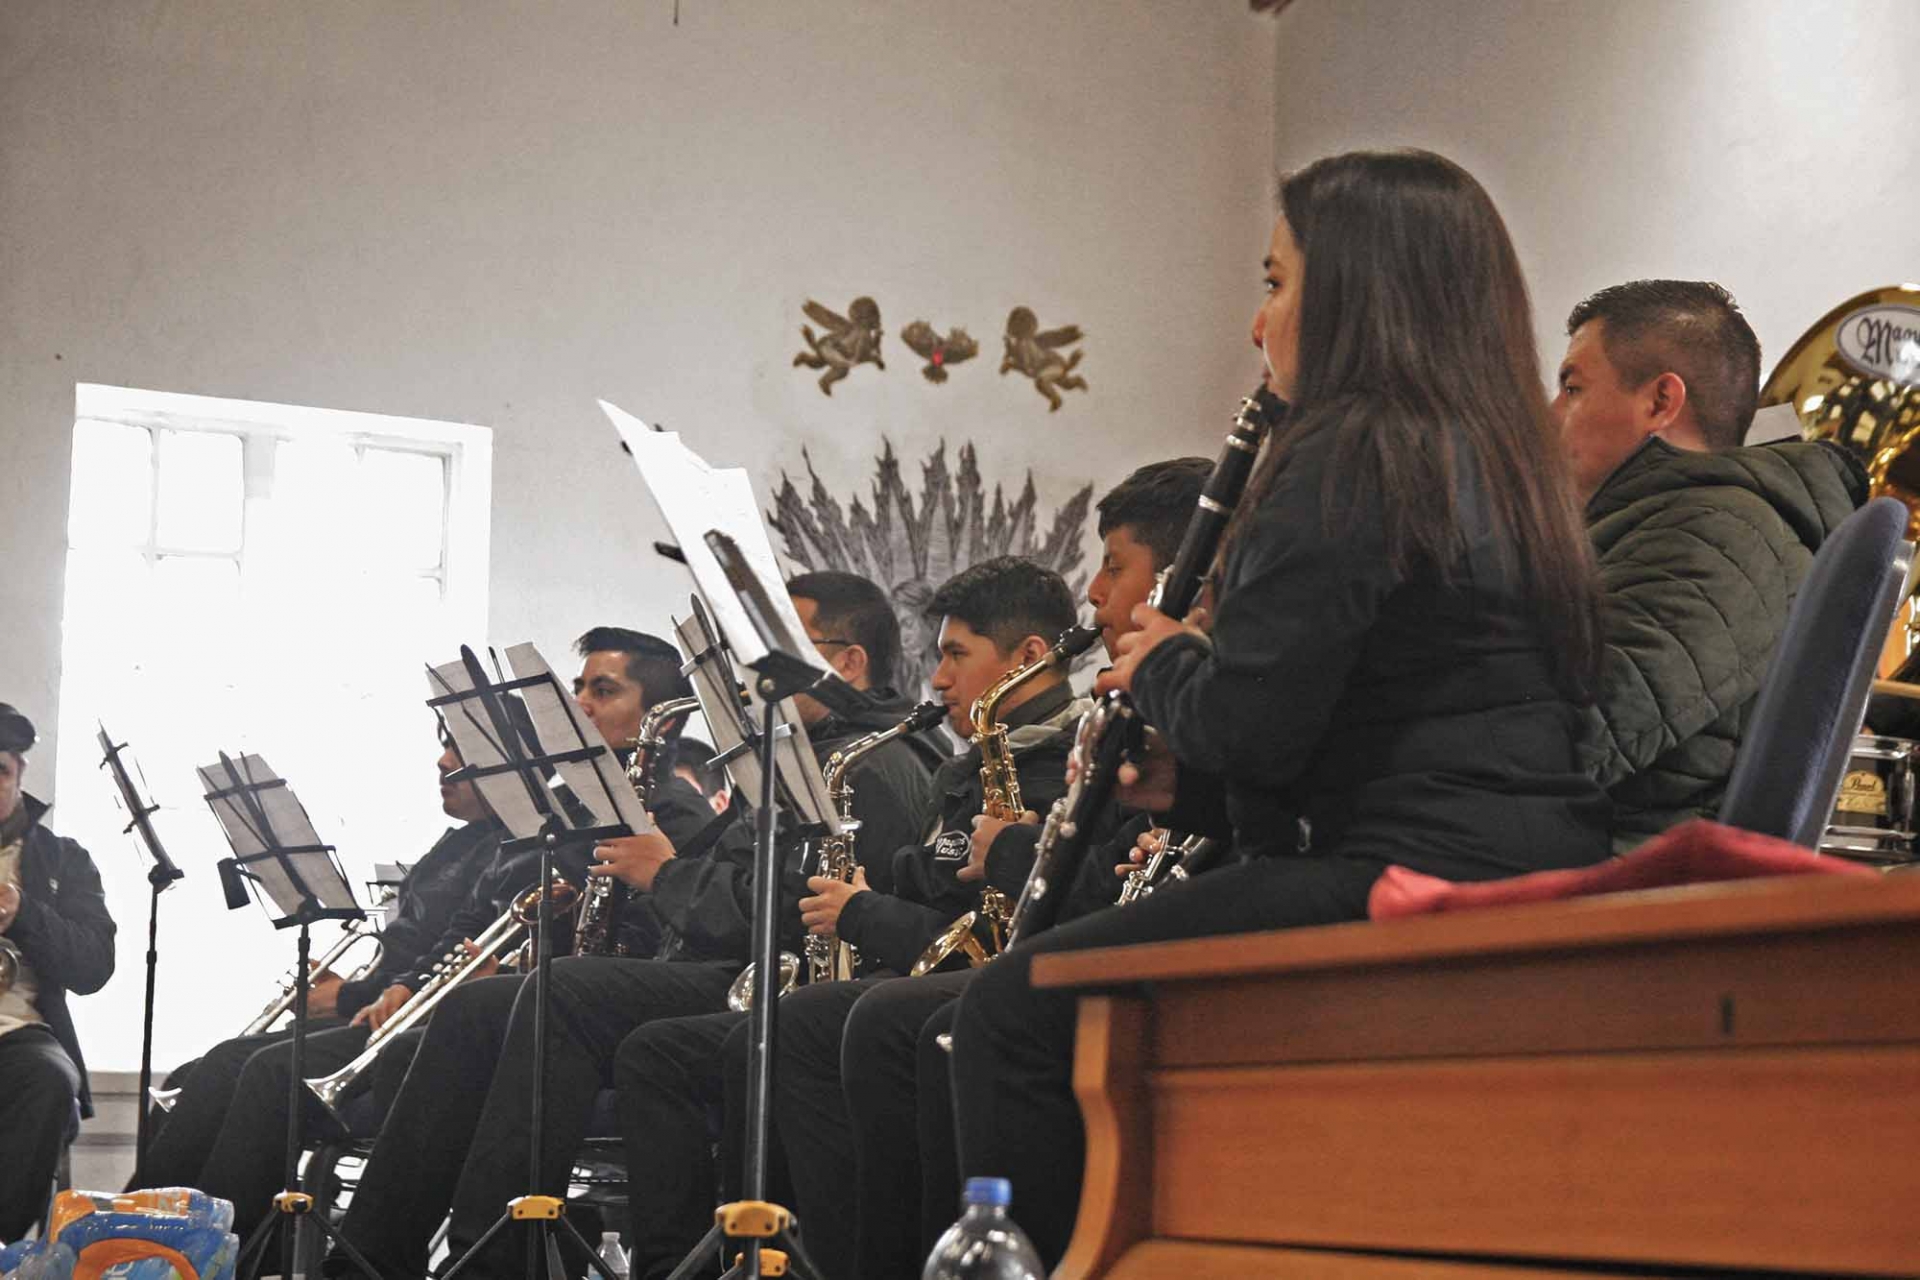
(1797, 743)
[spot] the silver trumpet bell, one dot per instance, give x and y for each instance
(740, 994)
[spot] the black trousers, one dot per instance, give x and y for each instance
(38, 1087)
(178, 1148)
(1013, 1045)
(899, 1169)
(248, 1162)
(810, 1112)
(672, 1078)
(408, 1182)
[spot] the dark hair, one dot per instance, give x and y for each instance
(1156, 502)
(1006, 599)
(850, 607)
(694, 756)
(652, 663)
(1416, 349)
(1692, 328)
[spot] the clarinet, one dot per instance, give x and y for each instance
(1107, 735)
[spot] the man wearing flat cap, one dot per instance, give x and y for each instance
(55, 937)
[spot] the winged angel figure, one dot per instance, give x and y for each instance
(1036, 354)
(925, 341)
(910, 547)
(848, 340)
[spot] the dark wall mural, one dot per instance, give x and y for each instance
(910, 545)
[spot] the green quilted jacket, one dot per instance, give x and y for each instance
(1700, 555)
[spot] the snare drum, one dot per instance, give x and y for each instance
(1873, 816)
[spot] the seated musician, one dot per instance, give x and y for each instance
(475, 1066)
(1405, 632)
(224, 1132)
(669, 1072)
(55, 937)
(995, 617)
(403, 1193)
(693, 763)
(1701, 543)
(899, 1102)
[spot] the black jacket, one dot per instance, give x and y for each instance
(434, 888)
(62, 929)
(1700, 557)
(1404, 718)
(892, 929)
(708, 900)
(677, 807)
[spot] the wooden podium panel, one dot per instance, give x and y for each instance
(1725, 1076)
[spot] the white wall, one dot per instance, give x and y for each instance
(1766, 144)
(494, 213)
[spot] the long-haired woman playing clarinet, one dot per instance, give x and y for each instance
(1403, 636)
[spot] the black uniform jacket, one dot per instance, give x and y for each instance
(62, 929)
(434, 888)
(709, 900)
(1404, 717)
(679, 809)
(892, 929)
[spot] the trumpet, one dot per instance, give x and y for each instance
(452, 970)
(596, 932)
(352, 934)
(1000, 791)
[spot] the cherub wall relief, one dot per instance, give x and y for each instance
(1035, 353)
(854, 339)
(849, 340)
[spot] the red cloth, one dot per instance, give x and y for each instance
(1696, 852)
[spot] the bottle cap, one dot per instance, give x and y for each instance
(991, 1191)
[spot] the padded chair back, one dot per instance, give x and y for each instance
(1796, 746)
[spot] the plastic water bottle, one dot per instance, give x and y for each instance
(985, 1244)
(612, 1256)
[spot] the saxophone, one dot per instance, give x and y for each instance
(1000, 798)
(596, 932)
(829, 957)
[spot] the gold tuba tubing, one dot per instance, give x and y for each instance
(452, 971)
(352, 934)
(1000, 798)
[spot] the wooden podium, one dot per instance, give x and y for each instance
(1725, 1076)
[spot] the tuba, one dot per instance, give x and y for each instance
(352, 934)
(1854, 379)
(596, 932)
(1000, 798)
(452, 970)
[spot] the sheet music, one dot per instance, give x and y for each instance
(560, 724)
(693, 498)
(478, 743)
(261, 813)
(804, 787)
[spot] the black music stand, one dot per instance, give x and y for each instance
(294, 873)
(160, 876)
(507, 731)
(782, 670)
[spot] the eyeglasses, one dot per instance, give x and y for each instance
(831, 640)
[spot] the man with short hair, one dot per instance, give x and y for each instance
(693, 764)
(994, 618)
(1701, 544)
(55, 937)
(895, 1078)
(434, 1119)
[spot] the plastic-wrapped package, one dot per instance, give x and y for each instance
(173, 1233)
